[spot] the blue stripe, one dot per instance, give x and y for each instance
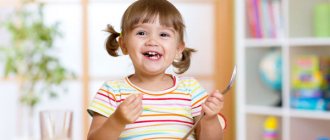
(198, 95)
(136, 136)
(109, 87)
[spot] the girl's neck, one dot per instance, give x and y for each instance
(152, 82)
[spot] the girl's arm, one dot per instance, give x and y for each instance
(103, 128)
(210, 128)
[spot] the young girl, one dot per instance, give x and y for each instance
(151, 104)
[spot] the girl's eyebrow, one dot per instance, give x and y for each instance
(169, 28)
(162, 27)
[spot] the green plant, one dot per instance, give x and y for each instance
(31, 55)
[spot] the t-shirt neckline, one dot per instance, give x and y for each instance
(160, 92)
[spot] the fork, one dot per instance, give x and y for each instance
(230, 84)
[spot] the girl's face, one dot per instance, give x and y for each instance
(152, 47)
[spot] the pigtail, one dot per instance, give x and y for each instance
(183, 63)
(111, 43)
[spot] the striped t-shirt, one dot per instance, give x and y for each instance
(167, 114)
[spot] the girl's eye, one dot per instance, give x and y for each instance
(141, 33)
(164, 35)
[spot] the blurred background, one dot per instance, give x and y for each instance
(52, 58)
(73, 33)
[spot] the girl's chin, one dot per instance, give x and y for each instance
(153, 70)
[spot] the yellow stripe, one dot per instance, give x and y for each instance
(199, 100)
(110, 93)
(152, 115)
(153, 125)
(97, 109)
(193, 83)
(100, 103)
(161, 138)
(196, 88)
(163, 108)
(152, 131)
(97, 106)
(183, 93)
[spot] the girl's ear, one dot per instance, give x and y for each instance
(122, 45)
(181, 47)
(178, 55)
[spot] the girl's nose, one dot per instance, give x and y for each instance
(152, 41)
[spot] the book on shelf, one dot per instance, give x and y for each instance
(264, 19)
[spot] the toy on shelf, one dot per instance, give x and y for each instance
(309, 84)
(270, 128)
(325, 70)
(270, 71)
(323, 138)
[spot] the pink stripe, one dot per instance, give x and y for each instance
(167, 104)
(197, 106)
(108, 102)
(196, 112)
(146, 121)
(160, 99)
(167, 99)
(107, 97)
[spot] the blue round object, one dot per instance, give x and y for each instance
(270, 69)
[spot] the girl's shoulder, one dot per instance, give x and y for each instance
(186, 81)
(115, 85)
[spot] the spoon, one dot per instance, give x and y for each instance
(230, 84)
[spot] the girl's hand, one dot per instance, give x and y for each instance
(129, 110)
(213, 104)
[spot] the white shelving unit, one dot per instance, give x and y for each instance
(255, 101)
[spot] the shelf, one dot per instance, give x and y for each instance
(291, 23)
(310, 114)
(275, 111)
(264, 42)
(309, 42)
(264, 110)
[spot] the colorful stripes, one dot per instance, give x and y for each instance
(167, 114)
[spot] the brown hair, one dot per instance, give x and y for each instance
(146, 11)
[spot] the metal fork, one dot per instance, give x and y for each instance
(230, 84)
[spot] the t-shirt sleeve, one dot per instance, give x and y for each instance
(104, 101)
(198, 96)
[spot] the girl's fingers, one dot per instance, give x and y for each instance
(214, 102)
(212, 106)
(134, 109)
(136, 101)
(137, 112)
(218, 95)
(130, 99)
(209, 104)
(206, 109)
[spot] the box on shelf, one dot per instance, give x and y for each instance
(325, 70)
(310, 87)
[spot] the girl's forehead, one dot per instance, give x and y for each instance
(156, 21)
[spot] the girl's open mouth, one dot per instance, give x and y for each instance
(152, 55)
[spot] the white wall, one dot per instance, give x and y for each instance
(102, 67)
